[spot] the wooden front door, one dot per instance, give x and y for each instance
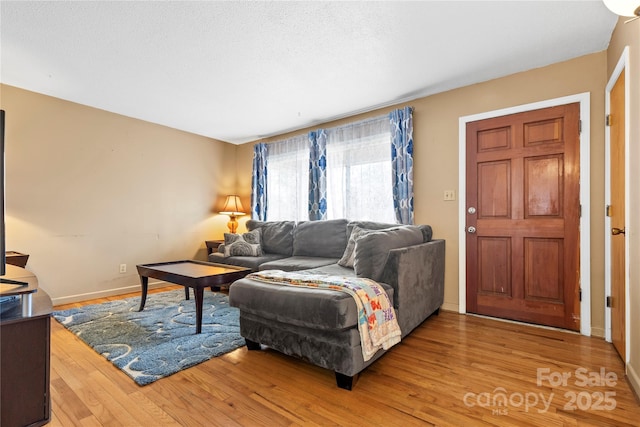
(616, 212)
(523, 209)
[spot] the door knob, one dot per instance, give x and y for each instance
(471, 229)
(615, 231)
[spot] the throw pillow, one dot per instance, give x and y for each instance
(247, 244)
(349, 253)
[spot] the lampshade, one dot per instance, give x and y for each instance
(623, 7)
(232, 206)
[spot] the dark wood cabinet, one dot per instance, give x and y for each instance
(24, 360)
(16, 258)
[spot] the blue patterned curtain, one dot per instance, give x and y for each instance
(402, 163)
(259, 183)
(317, 175)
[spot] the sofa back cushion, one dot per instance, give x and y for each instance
(369, 225)
(326, 239)
(348, 257)
(372, 249)
(427, 232)
(277, 236)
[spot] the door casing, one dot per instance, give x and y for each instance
(585, 184)
(620, 66)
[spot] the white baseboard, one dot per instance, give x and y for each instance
(447, 306)
(106, 293)
(634, 379)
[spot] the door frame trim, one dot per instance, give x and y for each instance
(585, 197)
(623, 64)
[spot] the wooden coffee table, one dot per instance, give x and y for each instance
(190, 274)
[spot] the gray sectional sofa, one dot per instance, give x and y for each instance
(320, 325)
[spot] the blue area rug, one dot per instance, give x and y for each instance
(161, 339)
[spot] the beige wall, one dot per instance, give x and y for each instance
(436, 154)
(88, 190)
(629, 35)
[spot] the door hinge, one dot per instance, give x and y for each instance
(579, 126)
(580, 211)
(607, 120)
(608, 302)
(608, 211)
(580, 294)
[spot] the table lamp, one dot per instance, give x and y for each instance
(233, 208)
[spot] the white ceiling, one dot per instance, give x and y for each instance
(238, 71)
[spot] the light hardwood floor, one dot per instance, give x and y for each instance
(451, 371)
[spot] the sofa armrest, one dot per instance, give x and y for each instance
(417, 275)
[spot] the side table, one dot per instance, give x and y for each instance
(212, 245)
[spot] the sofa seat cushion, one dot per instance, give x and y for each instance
(296, 263)
(252, 262)
(323, 309)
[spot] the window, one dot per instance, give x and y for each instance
(359, 171)
(288, 179)
(358, 174)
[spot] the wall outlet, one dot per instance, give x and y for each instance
(123, 268)
(449, 195)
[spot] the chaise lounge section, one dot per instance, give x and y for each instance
(321, 325)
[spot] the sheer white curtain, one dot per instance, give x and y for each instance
(288, 179)
(359, 171)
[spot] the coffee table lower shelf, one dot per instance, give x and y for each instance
(190, 274)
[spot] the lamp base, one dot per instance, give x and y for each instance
(232, 224)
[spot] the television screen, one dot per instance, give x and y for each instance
(2, 235)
